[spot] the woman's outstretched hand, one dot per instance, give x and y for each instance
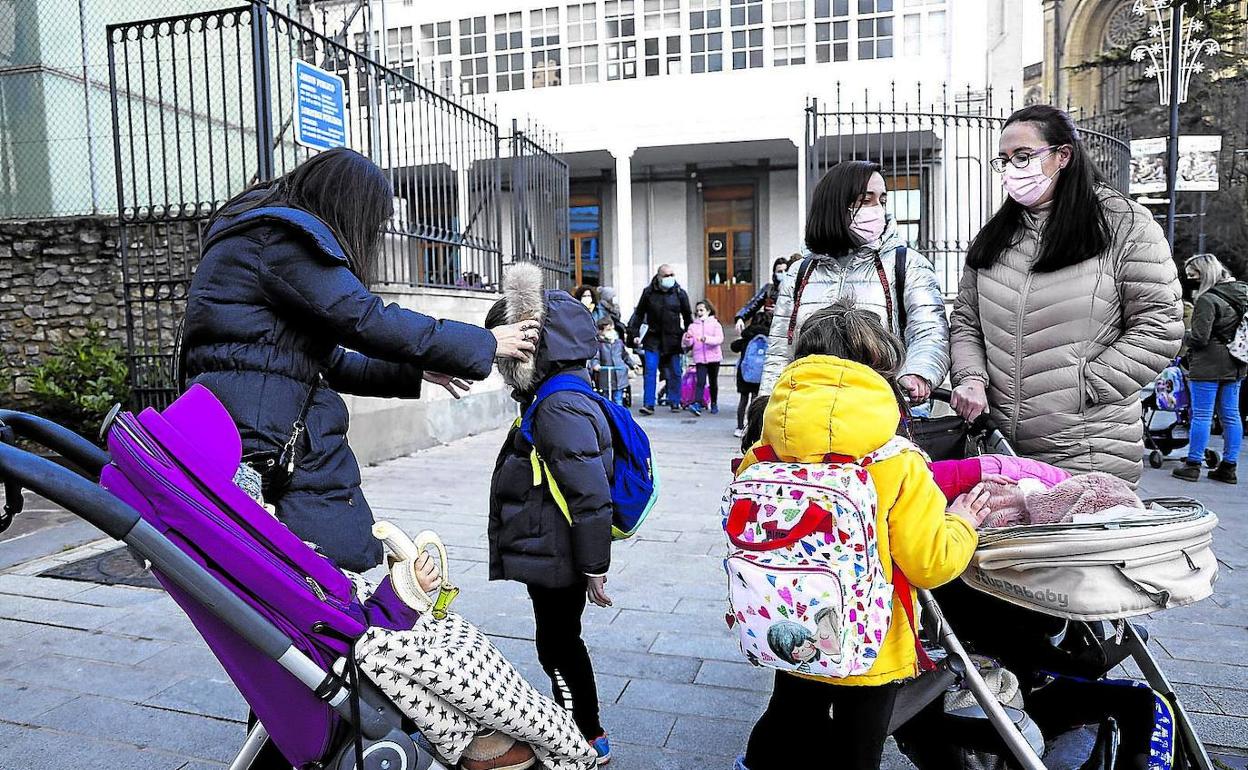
(455, 386)
(969, 400)
(518, 340)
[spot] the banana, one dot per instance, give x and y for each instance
(402, 551)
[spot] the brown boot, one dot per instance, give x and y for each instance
(495, 751)
(1225, 472)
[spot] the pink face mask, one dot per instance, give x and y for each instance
(1028, 185)
(868, 223)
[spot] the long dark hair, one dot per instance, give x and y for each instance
(344, 190)
(777, 263)
(1077, 228)
(827, 226)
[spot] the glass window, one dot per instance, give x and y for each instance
(789, 45)
(582, 23)
(831, 41)
(472, 39)
(435, 39)
(706, 52)
(509, 69)
(474, 75)
(747, 48)
(662, 44)
(788, 10)
(661, 15)
(874, 6)
(705, 14)
(544, 27)
(835, 9)
(508, 31)
(875, 37)
(621, 47)
(583, 64)
(746, 12)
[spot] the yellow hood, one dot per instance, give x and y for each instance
(826, 405)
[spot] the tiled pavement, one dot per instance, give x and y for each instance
(111, 676)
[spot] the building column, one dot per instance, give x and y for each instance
(625, 283)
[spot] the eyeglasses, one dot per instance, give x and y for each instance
(1019, 159)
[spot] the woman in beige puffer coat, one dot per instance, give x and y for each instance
(1069, 304)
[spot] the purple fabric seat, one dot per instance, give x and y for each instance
(177, 468)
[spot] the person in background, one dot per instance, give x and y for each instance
(611, 306)
(856, 250)
(704, 338)
(1068, 305)
(1214, 375)
(664, 310)
(754, 321)
(759, 310)
(612, 365)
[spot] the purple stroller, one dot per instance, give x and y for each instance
(277, 615)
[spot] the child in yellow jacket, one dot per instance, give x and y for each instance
(837, 398)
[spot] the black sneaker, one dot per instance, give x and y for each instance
(1187, 472)
(646, 411)
(1225, 473)
(676, 408)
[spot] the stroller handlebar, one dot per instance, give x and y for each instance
(81, 452)
(985, 423)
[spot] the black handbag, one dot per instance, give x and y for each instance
(277, 466)
(942, 438)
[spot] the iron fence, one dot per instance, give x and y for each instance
(539, 219)
(202, 106)
(935, 149)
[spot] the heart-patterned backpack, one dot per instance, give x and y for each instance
(806, 589)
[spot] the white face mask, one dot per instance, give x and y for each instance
(779, 275)
(1029, 184)
(610, 336)
(868, 223)
(588, 301)
(668, 282)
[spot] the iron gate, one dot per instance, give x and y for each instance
(202, 107)
(935, 150)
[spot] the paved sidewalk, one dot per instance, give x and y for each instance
(111, 676)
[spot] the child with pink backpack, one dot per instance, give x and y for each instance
(831, 520)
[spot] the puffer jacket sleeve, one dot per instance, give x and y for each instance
(969, 357)
(1152, 314)
(930, 545)
(357, 374)
(778, 348)
(569, 444)
(927, 327)
(332, 296)
(714, 332)
(753, 305)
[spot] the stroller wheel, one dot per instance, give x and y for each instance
(1155, 459)
(1212, 458)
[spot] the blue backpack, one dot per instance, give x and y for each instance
(753, 359)
(634, 485)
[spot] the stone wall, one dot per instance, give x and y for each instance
(56, 276)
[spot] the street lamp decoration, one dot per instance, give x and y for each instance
(1159, 49)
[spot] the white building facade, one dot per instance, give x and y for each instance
(683, 121)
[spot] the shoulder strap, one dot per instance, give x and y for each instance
(901, 586)
(803, 277)
(556, 384)
(899, 281)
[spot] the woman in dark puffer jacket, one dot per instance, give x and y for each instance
(280, 320)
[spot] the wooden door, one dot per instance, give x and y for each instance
(729, 248)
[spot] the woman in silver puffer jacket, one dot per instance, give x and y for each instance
(856, 250)
(1068, 305)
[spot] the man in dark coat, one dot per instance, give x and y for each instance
(665, 312)
(271, 307)
(562, 559)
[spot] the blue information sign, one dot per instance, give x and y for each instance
(320, 110)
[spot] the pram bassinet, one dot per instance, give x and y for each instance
(1036, 638)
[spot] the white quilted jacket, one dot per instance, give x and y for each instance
(927, 328)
